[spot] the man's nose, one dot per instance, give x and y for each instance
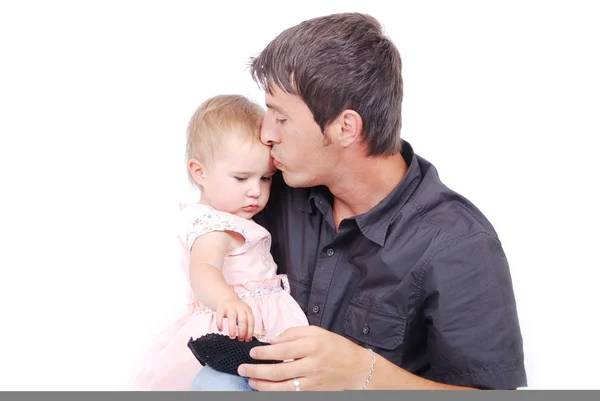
(268, 134)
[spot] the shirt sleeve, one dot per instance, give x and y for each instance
(474, 337)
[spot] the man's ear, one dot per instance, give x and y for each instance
(197, 171)
(350, 127)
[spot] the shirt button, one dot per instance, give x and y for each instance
(316, 309)
(366, 330)
(330, 252)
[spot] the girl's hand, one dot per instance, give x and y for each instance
(237, 313)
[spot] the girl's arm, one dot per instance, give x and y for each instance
(206, 261)
(209, 286)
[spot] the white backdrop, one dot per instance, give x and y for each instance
(94, 101)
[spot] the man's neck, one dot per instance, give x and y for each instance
(363, 185)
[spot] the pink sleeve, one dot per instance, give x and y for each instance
(209, 222)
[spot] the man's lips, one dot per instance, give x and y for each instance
(275, 161)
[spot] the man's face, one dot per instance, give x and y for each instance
(299, 148)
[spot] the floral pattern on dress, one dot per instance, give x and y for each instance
(264, 250)
(209, 222)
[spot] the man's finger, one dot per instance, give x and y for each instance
(274, 372)
(294, 333)
(296, 349)
(286, 385)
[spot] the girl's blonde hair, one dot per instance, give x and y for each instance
(216, 118)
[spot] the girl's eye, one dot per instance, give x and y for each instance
(266, 178)
(241, 178)
(280, 120)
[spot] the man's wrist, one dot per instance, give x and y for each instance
(364, 368)
(371, 371)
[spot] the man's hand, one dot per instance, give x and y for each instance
(327, 361)
(321, 361)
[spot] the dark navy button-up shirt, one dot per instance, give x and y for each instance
(421, 278)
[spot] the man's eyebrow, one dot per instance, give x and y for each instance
(276, 108)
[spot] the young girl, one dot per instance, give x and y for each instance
(234, 287)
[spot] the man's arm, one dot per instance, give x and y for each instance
(327, 361)
(473, 331)
(474, 337)
(388, 376)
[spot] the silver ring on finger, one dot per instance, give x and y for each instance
(297, 384)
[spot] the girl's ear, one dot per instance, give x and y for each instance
(197, 171)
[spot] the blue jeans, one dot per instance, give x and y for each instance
(209, 379)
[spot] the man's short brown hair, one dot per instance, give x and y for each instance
(339, 62)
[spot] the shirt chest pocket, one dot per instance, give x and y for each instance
(382, 332)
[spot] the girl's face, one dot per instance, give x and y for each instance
(238, 178)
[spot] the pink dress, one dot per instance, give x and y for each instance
(252, 273)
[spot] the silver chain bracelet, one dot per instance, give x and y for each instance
(372, 369)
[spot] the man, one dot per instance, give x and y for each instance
(404, 282)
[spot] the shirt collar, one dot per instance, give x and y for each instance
(374, 223)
